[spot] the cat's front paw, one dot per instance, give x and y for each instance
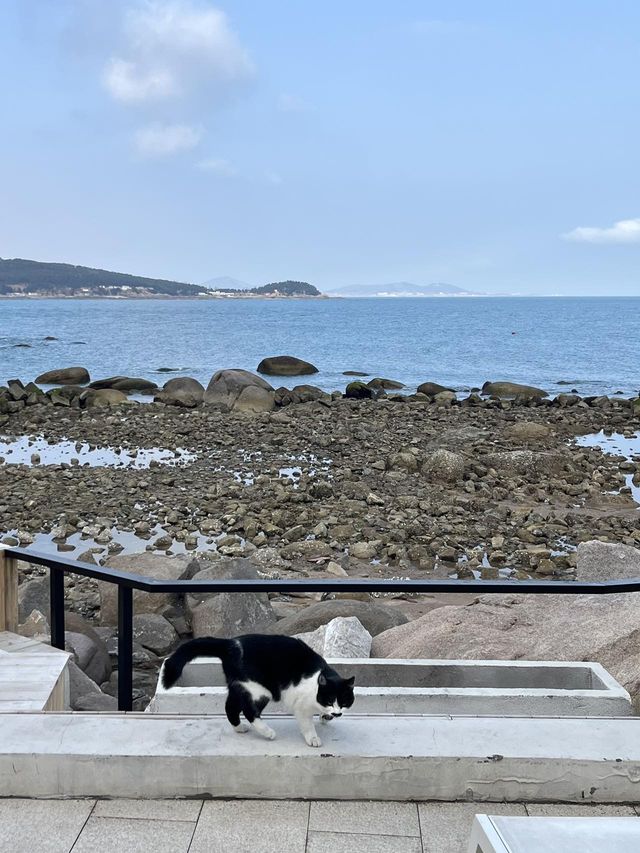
(314, 740)
(268, 733)
(241, 728)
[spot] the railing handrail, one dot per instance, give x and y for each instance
(127, 582)
(146, 584)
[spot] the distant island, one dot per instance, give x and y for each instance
(26, 278)
(402, 289)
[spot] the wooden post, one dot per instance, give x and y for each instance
(8, 591)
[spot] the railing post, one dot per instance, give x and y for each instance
(8, 591)
(56, 607)
(125, 648)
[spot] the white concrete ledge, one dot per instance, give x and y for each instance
(592, 760)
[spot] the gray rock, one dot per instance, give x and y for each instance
(604, 561)
(238, 568)
(380, 384)
(286, 365)
(528, 431)
(443, 466)
(301, 394)
(96, 702)
(430, 389)
(181, 391)
(79, 684)
(240, 391)
(154, 632)
(360, 391)
(343, 637)
(64, 376)
(375, 617)
(102, 398)
(35, 625)
(90, 655)
(509, 390)
(525, 462)
(231, 614)
(402, 460)
(152, 566)
(33, 595)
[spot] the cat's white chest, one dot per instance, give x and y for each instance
(302, 696)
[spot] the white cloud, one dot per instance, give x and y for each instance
(127, 82)
(161, 140)
(291, 104)
(624, 231)
(173, 48)
(218, 166)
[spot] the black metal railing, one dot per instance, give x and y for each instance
(127, 582)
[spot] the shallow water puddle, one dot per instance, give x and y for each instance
(29, 450)
(616, 444)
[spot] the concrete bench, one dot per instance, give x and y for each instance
(388, 686)
(33, 675)
(497, 834)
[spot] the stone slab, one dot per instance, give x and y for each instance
(343, 842)
(446, 827)
(374, 818)
(42, 826)
(363, 758)
(134, 835)
(251, 826)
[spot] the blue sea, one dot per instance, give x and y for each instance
(593, 344)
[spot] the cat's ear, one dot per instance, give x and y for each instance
(350, 681)
(322, 680)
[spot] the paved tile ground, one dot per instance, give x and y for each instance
(254, 826)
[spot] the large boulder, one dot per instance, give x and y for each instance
(301, 394)
(381, 384)
(286, 365)
(102, 398)
(230, 614)
(402, 460)
(64, 376)
(605, 561)
(430, 389)
(343, 637)
(443, 466)
(525, 462)
(154, 632)
(91, 657)
(33, 595)
(360, 391)
(234, 568)
(181, 391)
(126, 384)
(528, 431)
(240, 391)
(375, 617)
(509, 390)
(151, 566)
(602, 628)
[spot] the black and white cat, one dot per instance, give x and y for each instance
(259, 668)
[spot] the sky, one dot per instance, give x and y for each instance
(493, 146)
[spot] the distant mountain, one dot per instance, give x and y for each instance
(403, 288)
(19, 277)
(225, 282)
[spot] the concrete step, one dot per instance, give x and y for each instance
(363, 757)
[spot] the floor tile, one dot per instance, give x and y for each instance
(345, 842)
(446, 827)
(41, 826)
(575, 810)
(373, 818)
(248, 826)
(133, 835)
(149, 809)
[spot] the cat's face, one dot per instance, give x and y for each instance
(334, 694)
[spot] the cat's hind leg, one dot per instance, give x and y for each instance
(232, 708)
(252, 708)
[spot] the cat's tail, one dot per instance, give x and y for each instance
(201, 647)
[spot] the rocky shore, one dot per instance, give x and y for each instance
(362, 483)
